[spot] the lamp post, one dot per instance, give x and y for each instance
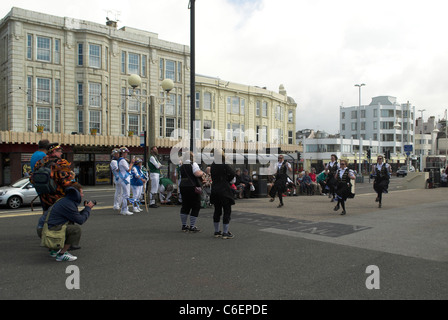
(358, 124)
(191, 6)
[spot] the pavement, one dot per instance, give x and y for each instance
(302, 251)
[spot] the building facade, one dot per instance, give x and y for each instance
(66, 80)
(383, 120)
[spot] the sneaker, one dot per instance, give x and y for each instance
(116, 208)
(136, 210)
(153, 206)
(66, 256)
(227, 235)
(54, 253)
(185, 228)
(218, 234)
(126, 213)
(194, 230)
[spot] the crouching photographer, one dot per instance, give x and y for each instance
(64, 214)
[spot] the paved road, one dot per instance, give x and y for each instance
(301, 251)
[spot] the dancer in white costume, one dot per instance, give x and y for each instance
(114, 169)
(125, 179)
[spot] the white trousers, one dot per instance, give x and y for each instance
(136, 194)
(126, 192)
(154, 186)
(117, 195)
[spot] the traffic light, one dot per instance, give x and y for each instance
(368, 154)
(299, 156)
(387, 154)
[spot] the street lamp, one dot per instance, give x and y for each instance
(191, 6)
(359, 127)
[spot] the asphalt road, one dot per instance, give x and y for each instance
(303, 251)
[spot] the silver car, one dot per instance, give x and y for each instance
(19, 193)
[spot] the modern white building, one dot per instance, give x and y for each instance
(383, 120)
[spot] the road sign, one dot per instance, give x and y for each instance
(408, 148)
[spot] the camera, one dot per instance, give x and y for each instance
(87, 201)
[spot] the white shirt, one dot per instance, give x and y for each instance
(124, 169)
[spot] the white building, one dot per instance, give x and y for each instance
(383, 120)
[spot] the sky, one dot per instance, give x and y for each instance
(318, 49)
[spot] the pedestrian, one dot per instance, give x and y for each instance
(124, 174)
(332, 167)
(382, 173)
(191, 200)
(41, 152)
(138, 180)
(343, 185)
(116, 178)
(154, 175)
(65, 211)
(247, 182)
(222, 196)
(281, 175)
(166, 187)
(61, 174)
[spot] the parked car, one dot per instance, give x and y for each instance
(17, 194)
(403, 171)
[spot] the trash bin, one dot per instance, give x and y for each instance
(261, 187)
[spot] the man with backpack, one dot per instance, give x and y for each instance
(51, 175)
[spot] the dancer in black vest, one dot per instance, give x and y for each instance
(382, 173)
(332, 168)
(281, 178)
(343, 189)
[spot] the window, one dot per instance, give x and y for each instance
(29, 118)
(144, 59)
(386, 113)
(80, 54)
(354, 114)
(57, 51)
(363, 126)
(170, 70)
(169, 126)
(290, 137)
(207, 132)
(179, 72)
(363, 113)
(264, 109)
(123, 123)
(134, 101)
(57, 91)
(258, 108)
(29, 46)
(198, 98)
(207, 101)
(354, 126)
(80, 121)
(43, 90)
(94, 95)
(343, 115)
(95, 120)
(43, 49)
(80, 94)
(235, 105)
(29, 89)
(134, 120)
(43, 116)
(123, 62)
(57, 120)
(94, 56)
(170, 105)
(290, 116)
(133, 63)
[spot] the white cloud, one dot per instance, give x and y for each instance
(318, 49)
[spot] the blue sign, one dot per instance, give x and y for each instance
(408, 148)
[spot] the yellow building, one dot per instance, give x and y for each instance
(66, 80)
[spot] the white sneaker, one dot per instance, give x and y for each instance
(66, 256)
(116, 208)
(126, 213)
(136, 210)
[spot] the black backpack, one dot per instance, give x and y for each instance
(43, 183)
